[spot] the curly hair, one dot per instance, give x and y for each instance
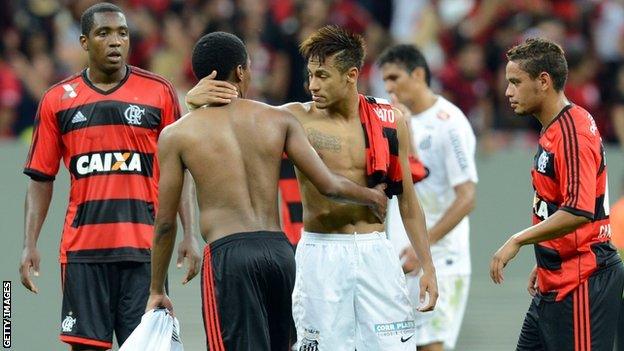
(218, 51)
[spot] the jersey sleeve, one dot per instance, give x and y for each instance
(45, 153)
(577, 167)
(458, 155)
(171, 106)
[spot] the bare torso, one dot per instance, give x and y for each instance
(234, 154)
(340, 143)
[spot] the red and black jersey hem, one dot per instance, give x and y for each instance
(577, 212)
(38, 176)
(81, 340)
(118, 254)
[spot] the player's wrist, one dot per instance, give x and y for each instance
(517, 239)
(428, 268)
(160, 290)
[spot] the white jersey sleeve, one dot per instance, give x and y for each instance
(459, 150)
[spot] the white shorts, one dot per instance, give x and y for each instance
(444, 322)
(350, 293)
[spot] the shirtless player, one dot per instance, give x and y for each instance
(234, 154)
(350, 289)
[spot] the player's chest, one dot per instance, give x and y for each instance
(339, 143)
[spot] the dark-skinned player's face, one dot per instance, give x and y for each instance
(108, 41)
(327, 84)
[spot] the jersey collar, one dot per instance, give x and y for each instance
(86, 79)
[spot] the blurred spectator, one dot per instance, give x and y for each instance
(467, 83)
(465, 41)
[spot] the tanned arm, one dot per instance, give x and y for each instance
(38, 197)
(189, 246)
(414, 220)
(170, 189)
(463, 204)
(555, 226)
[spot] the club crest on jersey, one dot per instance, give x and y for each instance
(542, 162)
(111, 162)
(68, 324)
(133, 114)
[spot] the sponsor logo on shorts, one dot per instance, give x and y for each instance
(68, 323)
(405, 328)
(310, 341)
(403, 339)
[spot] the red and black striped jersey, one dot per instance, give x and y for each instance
(290, 202)
(570, 174)
(108, 142)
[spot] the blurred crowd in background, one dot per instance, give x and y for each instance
(464, 41)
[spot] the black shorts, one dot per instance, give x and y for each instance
(247, 283)
(585, 320)
(99, 298)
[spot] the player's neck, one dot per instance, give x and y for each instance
(98, 77)
(551, 108)
(347, 108)
(422, 101)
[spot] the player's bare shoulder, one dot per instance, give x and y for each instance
(178, 132)
(298, 109)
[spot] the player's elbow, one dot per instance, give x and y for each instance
(164, 227)
(582, 220)
(330, 190)
(470, 203)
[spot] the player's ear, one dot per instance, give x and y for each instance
(545, 80)
(83, 42)
(352, 75)
(418, 73)
(240, 73)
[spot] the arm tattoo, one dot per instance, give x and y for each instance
(322, 141)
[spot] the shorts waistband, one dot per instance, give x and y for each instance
(257, 235)
(343, 237)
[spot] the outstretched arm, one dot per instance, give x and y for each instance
(332, 185)
(170, 189)
(414, 220)
(38, 197)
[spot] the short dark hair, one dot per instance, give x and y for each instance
(86, 20)
(407, 56)
(331, 40)
(218, 51)
(537, 55)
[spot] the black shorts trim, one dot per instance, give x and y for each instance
(263, 234)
